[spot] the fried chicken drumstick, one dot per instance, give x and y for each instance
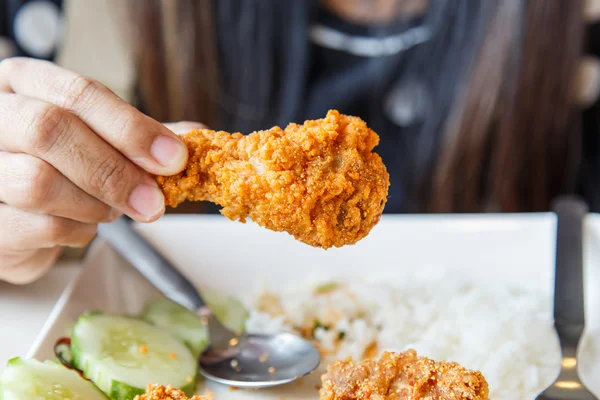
(404, 376)
(319, 181)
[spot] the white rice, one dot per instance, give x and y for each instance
(507, 334)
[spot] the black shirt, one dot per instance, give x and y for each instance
(359, 83)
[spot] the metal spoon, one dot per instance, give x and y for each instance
(246, 361)
(569, 311)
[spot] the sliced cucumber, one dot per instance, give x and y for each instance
(179, 321)
(228, 310)
(122, 355)
(30, 379)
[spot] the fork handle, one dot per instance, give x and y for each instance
(569, 305)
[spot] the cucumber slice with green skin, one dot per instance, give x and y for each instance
(228, 310)
(30, 379)
(179, 321)
(122, 355)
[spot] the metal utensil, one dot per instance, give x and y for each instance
(569, 312)
(246, 361)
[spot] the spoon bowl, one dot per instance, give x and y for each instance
(246, 361)
(260, 361)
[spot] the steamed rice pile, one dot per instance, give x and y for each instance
(507, 334)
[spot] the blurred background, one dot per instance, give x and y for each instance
(480, 105)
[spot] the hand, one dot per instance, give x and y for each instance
(72, 155)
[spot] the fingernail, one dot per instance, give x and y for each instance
(168, 151)
(147, 200)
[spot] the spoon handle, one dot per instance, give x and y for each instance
(569, 310)
(153, 266)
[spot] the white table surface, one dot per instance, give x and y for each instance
(24, 309)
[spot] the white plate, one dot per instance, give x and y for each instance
(217, 253)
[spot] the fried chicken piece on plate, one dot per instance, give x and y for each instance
(160, 392)
(403, 376)
(319, 181)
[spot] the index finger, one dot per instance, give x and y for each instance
(138, 137)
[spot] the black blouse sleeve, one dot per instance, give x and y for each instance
(590, 166)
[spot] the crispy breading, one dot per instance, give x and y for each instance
(160, 392)
(403, 376)
(319, 181)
